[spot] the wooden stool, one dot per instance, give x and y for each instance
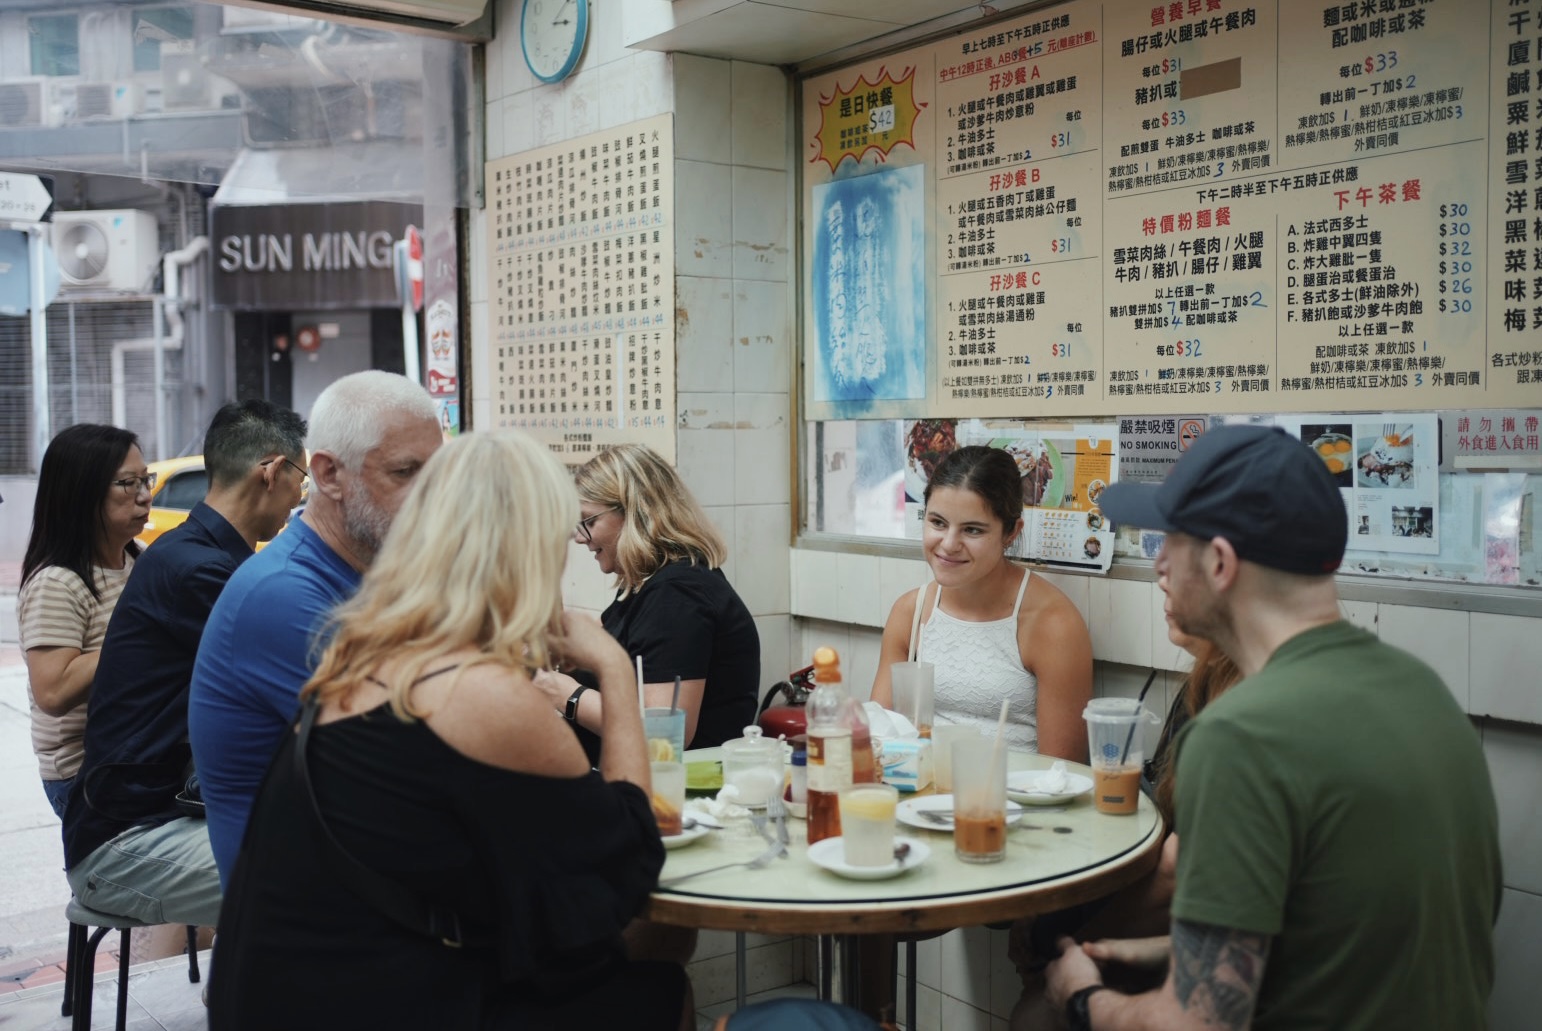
(80, 961)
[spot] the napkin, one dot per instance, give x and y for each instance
(724, 807)
(888, 725)
(1053, 780)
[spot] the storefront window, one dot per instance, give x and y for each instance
(55, 44)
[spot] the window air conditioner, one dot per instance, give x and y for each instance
(108, 100)
(106, 250)
(21, 103)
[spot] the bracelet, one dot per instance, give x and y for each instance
(1076, 1013)
(571, 712)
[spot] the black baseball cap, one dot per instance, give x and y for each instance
(1263, 490)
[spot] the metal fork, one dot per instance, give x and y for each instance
(776, 809)
(772, 852)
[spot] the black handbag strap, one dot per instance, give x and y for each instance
(391, 897)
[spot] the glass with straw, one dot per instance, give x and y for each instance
(980, 799)
(664, 728)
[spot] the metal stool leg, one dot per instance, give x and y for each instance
(80, 1020)
(72, 959)
(192, 953)
(123, 967)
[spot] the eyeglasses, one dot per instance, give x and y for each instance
(304, 473)
(586, 526)
(132, 485)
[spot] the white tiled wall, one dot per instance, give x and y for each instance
(733, 298)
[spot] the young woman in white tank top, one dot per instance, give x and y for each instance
(991, 628)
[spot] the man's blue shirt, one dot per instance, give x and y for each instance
(136, 739)
(258, 650)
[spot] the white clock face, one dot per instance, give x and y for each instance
(553, 35)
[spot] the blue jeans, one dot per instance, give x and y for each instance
(160, 875)
(58, 792)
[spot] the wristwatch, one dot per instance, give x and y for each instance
(571, 712)
(1076, 1007)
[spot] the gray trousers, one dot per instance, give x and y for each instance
(160, 875)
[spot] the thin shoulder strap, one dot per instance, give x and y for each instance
(392, 898)
(427, 676)
(1022, 589)
(915, 621)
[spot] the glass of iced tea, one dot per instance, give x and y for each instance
(980, 803)
(668, 797)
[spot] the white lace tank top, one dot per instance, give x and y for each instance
(977, 665)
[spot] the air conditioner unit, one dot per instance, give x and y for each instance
(21, 103)
(116, 100)
(106, 250)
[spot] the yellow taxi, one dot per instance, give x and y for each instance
(180, 483)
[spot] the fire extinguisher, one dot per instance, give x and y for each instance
(787, 718)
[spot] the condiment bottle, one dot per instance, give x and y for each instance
(829, 746)
(797, 788)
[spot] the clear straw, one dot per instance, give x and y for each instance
(641, 702)
(674, 703)
(1001, 736)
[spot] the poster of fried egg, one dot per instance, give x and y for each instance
(1385, 467)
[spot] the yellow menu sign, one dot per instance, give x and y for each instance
(876, 115)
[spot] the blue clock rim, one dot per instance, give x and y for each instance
(577, 51)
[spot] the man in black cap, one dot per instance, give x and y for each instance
(1339, 864)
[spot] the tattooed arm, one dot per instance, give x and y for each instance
(1213, 982)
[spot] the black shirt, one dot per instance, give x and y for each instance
(686, 621)
(137, 755)
(553, 867)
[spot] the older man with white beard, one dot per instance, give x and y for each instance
(370, 434)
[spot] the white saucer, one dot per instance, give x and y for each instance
(831, 855)
(909, 812)
(685, 837)
(1023, 786)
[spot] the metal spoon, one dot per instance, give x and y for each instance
(901, 851)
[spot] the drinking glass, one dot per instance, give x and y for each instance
(913, 684)
(668, 797)
(665, 730)
(980, 803)
(867, 824)
(943, 739)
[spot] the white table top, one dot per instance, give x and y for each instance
(1056, 857)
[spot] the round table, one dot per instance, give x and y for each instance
(1056, 857)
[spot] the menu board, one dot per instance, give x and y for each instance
(581, 247)
(1227, 206)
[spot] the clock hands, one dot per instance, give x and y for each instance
(559, 20)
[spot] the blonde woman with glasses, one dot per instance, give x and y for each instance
(93, 498)
(674, 608)
(428, 770)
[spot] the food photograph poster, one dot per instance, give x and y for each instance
(1064, 471)
(1386, 466)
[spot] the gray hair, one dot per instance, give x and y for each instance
(349, 417)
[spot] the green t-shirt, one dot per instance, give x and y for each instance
(1339, 801)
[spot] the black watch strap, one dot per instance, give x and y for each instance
(571, 712)
(1076, 1007)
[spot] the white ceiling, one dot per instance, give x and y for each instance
(786, 31)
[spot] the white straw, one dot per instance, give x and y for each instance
(641, 703)
(1001, 736)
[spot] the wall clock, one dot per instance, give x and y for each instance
(552, 34)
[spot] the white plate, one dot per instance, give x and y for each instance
(909, 812)
(831, 855)
(685, 837)
(1023, 786)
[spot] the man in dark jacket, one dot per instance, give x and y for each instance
(128, 848)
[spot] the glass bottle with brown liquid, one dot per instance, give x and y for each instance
(840, 746)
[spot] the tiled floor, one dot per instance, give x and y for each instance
(162, 999)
